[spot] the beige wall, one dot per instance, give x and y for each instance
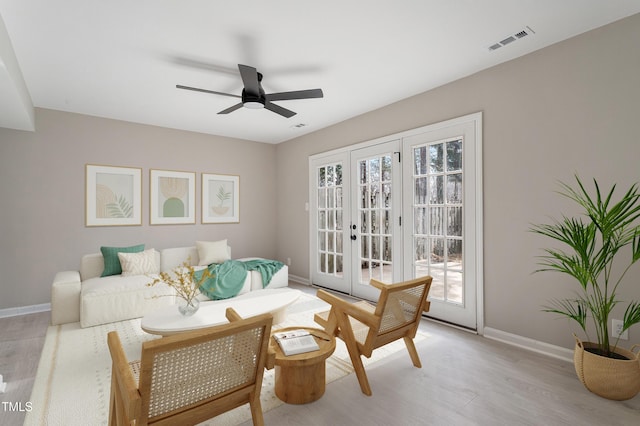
(573, 107)
(42, 191)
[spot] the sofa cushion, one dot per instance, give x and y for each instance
(212, 252)
(117, 298)
(171, 258)
(139, 263)
(112, 262)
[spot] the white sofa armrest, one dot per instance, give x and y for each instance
(65, 297)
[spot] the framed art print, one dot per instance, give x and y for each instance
(220, 198)
(113, 196)
(172, 197)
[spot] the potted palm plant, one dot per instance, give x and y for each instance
(606, 233)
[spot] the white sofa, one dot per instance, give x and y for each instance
(87, 297)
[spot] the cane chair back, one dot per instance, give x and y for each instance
(191, 377)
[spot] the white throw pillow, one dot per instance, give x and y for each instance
(139, 263)
(212, 252)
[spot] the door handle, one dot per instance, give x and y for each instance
(353, 237)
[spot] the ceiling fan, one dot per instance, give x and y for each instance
(253, 95)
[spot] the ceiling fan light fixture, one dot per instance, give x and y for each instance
(253, 105)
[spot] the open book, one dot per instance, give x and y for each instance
(294, 342)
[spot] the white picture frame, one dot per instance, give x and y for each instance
(172, 197)
(113, 195)
(220, 198)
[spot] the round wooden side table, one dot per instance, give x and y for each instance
(301, 378)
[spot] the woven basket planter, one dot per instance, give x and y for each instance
(609, 378)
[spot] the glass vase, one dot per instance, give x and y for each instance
(188, 307)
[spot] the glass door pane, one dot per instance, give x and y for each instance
(329, 214)
(437, 212)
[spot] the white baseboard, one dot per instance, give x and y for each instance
(299, 280)
(24, 310)
(529, 344)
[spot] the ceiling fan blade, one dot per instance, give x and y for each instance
(279, 110)
(299, 94)
(249, 79)
(195, 89)
(231, 109)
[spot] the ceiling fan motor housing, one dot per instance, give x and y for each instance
(252, 100)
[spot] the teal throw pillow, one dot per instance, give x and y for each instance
(112, 262)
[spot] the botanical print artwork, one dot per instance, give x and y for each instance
(174, 197)
(220, 198)
(223, 205)
(114, 195)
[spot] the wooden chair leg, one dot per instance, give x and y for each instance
(356, 360)
(256, 411)
(413, 353)
(346, 333)
(113, 409)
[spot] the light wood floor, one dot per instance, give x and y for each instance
(464, 380)
(21, 340)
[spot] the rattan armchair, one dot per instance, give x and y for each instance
(364, 327)
(190, 377)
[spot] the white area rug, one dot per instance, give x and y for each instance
(73, 381)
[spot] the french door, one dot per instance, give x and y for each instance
(356, 219)
(402, 208)
(442, 203)
(375, 217)
(329, 207)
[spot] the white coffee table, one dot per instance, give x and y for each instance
(167, 320)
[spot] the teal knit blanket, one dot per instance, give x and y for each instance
(227, 278)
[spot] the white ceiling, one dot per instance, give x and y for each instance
(121, 59)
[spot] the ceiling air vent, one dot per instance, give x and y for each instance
(511, 38)
(507, 41)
